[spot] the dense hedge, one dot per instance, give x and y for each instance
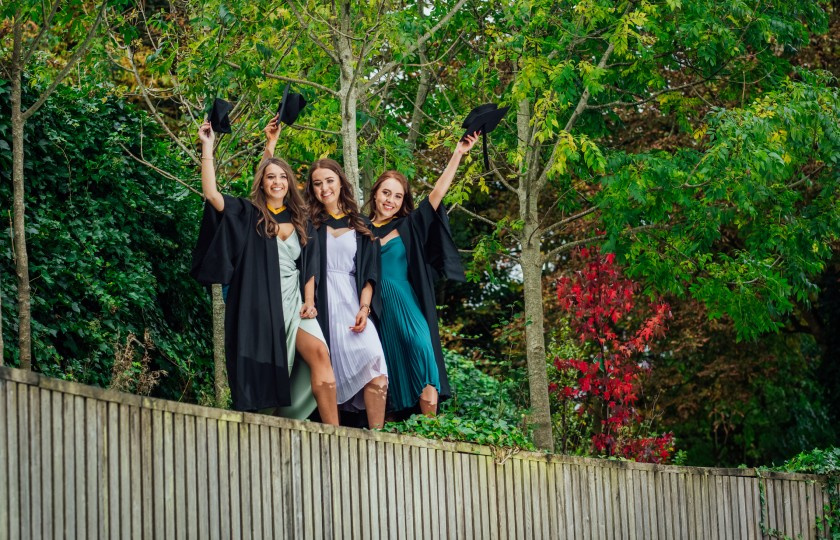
(109, 243)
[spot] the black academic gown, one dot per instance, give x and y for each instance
(232, 249)
(431, 254)
(368, 265)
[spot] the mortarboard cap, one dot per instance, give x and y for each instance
(484, 118)
(290, 106)
(219, 116)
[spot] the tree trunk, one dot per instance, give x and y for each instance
(348, 94)
(535, 337)
(422, 90)
(219, 372)
(18, 219)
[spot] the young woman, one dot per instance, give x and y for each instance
(264, 248)
(350, 268)
(416, 245)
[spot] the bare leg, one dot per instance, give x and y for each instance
(315, 354)
(429, 401)
(376, 392)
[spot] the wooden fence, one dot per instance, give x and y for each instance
(83, 462)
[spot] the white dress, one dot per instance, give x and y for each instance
(357, 358)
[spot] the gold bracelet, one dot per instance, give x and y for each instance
(206, 158)
(365, 306)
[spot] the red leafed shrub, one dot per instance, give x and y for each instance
(602, 307)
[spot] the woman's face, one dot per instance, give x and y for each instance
(275, 185)
(326, 185)
(388, 199)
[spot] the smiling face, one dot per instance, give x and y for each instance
(275, 185)
(326, 187)
(388, 199)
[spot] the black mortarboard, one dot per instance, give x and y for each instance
(219, 116)
(484, 118)
(290, 106)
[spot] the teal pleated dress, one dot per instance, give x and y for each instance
(405, 333)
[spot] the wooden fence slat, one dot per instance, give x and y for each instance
(190, 479)
(570, 500)
(235, 486)
(255, 478)
(602, 501)
(180, 474)
(472, 493)
(124, 465)
(158, 482)
(382, 481)
(69, 467)
(355, 489)
(267, 501)
(335, 481)
(203, 450)
(245, 490)
(5, 450)
(146, 449)
(519, 516)
(113, 467)
(485, 470)
(80, 494)
(308, 498)
(787, 505)
(367, 488)
(94, 465)
(418, 485)
(134, 487)
(310, 464)
(223, 449)
(226, 485)
(34, 472)
(318, 495)
(443, 494)
(278, 504)
(169, 474)
(24, 487)
(214, 478)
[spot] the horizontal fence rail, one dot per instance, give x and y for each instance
(82, 462)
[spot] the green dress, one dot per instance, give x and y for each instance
(405, 334)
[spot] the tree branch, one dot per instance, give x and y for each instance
(163, 173)
(567, 220)
(77, 54)
(571, 245)
(474, 215)
(46, 24)
(423, 39)
(313, 37)
(289, 79)
(153, 109)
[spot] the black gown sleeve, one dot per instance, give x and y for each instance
(430, 228)
(221, 241)
(369, 268)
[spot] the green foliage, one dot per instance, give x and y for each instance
(746, 225)
(109, 244)
(480, 411)
(826, 463)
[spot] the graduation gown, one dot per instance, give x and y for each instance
(431, 254)
(367, 262)
(232, 249)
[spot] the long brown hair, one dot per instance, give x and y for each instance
(346, 201)
(408, 199)
(293, 201)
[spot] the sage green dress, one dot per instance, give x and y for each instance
(300, 386)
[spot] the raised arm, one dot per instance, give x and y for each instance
(272, 134)
(445, 180)
(208, 169)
